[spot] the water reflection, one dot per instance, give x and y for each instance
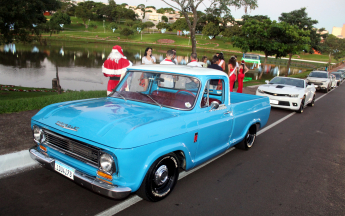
(80, 64)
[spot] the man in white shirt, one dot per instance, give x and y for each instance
(168, 79)
(193, 61)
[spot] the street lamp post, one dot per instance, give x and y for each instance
(103, 25)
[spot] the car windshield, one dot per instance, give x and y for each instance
(337, 75)
(287, 81)
(318, 75)
(161, 89)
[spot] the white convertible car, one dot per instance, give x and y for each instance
(288, 93)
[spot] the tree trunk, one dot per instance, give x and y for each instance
(289, 62)
(58, 80)
(263, 66)
(193, 39)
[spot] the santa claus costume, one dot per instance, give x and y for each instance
(115, 67)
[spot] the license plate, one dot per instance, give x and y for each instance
(274, 102)
(64, 169)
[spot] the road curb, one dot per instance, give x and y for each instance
(16, 160)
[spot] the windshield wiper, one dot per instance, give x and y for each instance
(150, 98)
(120, 95)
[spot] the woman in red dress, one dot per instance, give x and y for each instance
(232, 72)
(243, 70)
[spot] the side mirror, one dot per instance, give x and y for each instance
(267, 82)
(214, 105)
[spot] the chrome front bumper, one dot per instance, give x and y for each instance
(91, 183)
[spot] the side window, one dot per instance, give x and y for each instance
(214, 91)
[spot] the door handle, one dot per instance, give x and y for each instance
(227, 112)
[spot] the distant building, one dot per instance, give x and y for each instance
(152, 15)
(339, 31)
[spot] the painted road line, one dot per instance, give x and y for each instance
(133, 200)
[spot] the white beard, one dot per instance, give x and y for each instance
(115, 56)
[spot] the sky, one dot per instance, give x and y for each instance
(329, 13)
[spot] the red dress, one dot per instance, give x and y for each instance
(232, 79)
(240, 79)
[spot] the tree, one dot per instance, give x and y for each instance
(300, 18)
(153, 7)
(83, 12)
(17, 18)
(231, 31)
(165, 19)
(129, 22)
(211, 30)
(61, 18)
(259, 36)
(161, 10)
(180, 24)
(113, 25)
(191, 6)
(149, 25)
(333, 46)
(126, 32)
(162, 25)
(293, 40)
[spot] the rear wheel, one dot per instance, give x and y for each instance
(312, 103)
(248, 140)
(160, 179)
(301, 107)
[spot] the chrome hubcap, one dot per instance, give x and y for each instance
(161, 175)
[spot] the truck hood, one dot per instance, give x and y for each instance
(281, 89)
(107, 121)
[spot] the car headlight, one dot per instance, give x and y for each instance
(38, 134)
(259, 90)
(293, 95)
(107, 163)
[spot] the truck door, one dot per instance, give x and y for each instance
(215, 125)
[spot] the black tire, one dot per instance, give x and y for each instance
(248, 140)
(160, 179)
(312, 103)
(301, 107)
(326, 90)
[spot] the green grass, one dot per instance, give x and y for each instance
(9, 95)
(32, 103)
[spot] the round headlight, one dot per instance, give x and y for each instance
(106, 162)
(37, 133)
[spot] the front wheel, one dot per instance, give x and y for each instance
(160, 179)
(312, 103)
(248, 140)
(301, 107)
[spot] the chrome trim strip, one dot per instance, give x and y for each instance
(89, 182)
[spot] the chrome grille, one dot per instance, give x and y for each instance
(73, 148)
(274, 94)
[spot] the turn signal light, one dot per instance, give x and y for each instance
(108, 182)
(104, 175)
(43, 148)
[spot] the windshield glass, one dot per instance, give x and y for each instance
(161, 89)
(318, 74)
(287, 81)
(337, 75)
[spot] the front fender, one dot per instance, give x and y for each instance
(134, 163)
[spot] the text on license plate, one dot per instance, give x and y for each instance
(274, 102)
(64, 169)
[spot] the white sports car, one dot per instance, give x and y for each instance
(288, 93)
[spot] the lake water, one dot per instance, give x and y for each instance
(80, 64)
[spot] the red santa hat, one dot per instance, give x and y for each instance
(116, 63)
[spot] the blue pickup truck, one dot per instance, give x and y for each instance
(157, 121)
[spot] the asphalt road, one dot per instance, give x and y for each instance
(295, 168)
